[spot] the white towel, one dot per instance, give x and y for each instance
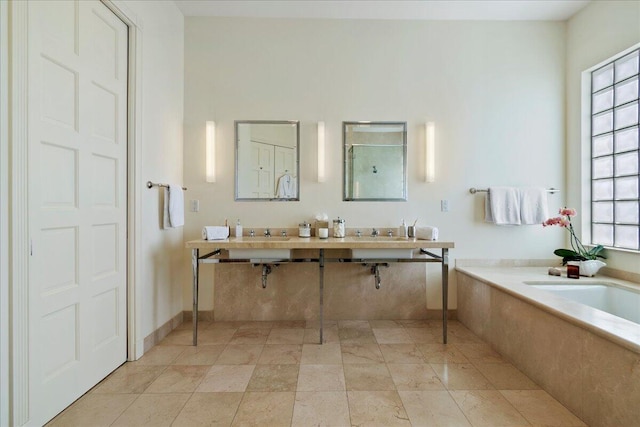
(215, 232)
(173, 212)
(533, 205)
(427, 233)
(502, 206)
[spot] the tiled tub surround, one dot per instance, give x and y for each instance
(587, 359)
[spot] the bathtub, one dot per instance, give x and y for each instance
(608, 297)
(577, 339)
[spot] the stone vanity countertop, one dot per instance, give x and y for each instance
(512, 281)
(349, 242)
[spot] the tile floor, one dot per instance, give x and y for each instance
(384, 373)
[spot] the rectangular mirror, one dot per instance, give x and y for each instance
(267, 160)
(375, 161)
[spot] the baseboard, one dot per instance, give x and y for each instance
(158, 335)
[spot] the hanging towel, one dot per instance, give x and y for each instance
(502, 206)
(173, 206)
(533, 205)
(286, 187)
(217, 232)
(427, 233)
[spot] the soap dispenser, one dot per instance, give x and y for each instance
(238, 228)
(402, 230)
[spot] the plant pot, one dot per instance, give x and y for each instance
(590, 267)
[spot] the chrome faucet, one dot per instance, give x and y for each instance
(358, 233)
(390, 233)
(252, 233)
(283, 233)
(267, 232)
(374, 232)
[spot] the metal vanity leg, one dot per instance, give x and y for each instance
(195, 254)
(321, 274)
(445, 292)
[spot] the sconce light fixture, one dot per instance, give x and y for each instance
(211, 151)
(321, 153)
(430, 152)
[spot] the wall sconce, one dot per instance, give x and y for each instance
(321, 153)
(430, 152)
(211, 151)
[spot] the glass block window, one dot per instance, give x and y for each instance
(615, 153)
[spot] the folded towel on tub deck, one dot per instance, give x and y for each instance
(502, 206)
(533, 205)
(215, 232)
(427, 233)
(173, 206)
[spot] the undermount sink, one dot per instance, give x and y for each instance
(381, 253)
(262, 253)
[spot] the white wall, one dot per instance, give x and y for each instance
(596, 33)
(494, 89)
(162, 270)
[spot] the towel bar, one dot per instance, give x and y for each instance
(156, 184)
(474, 190)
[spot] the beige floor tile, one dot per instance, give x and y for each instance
(95, 410)
(240, 354)
(392, 336)
(325, 354)
(353, 324)
(216, 336)
(380, 408)
(199, 355)
(457, 333)
(480, 353)
(179, 337)
(289, 324)
(540, 409)
(487, 408)
(260, 324)
(325, 408)
(250, 336)
(208, 409)
(361, 353)
(129, 378)
(356, 336)
(414, 377)
(279, 354)
(274, 378)
(265, 409)
(327, 324)
(153, 410)
(505, 376)
(424, 335)
(384, 324)
(401, 353)
(432, 408)
(415, 323)
(286, 336)
(160, 355)
(461, 376)
(312, 336)
(442, 353)
(224, 324)
(226, 378)
(368, 377)
(321, 378)
(178, 379)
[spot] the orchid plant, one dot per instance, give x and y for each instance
(577, 252)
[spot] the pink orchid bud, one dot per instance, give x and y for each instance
(568, 212)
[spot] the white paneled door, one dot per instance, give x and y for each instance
(77, 114)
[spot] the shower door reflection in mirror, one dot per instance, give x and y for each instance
(267, 160)
(375, 161)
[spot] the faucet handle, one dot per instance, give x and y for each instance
(267, 232)
(374, 232)
(358, 233)
(252, 233)
(284, 233)
(390, 233)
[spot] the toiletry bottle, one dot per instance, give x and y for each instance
(238, 228)
(402, 230)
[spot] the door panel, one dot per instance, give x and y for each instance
(77, 198)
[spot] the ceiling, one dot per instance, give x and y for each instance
(500, 10)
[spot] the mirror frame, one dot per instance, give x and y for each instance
(267, 122)
(405, 195)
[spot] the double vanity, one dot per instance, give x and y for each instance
(269, 251)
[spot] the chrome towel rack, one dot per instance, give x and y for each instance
(156, 184)
(474, 190)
